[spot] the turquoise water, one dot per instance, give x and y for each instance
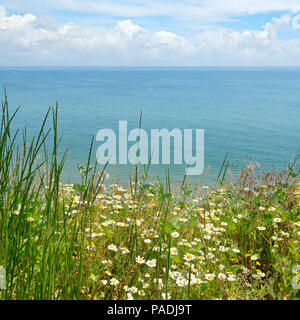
(252, 113)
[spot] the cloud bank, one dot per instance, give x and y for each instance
(206, 10)
(28, 40)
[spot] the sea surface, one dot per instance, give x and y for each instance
(253, 114)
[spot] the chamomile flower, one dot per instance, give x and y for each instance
(261, 228)
(91, 246)
(151, 263)
(114, 281)
(175, 234)
(129, 296)
(140, 260)
(181, 282)
(189, 257)
(141, 292)
(210, 256)
(221, 276)
(166, 296)
(124, 250)
(133, 289)
(173, 251)
(231, 277)
(261, 274)
(93, 277)
(112, 247)
(196, 281)
(210, 276)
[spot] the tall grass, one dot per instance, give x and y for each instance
(39, 258)
(85, 241)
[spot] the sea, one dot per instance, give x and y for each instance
(248, 114)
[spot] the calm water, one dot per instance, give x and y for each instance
(250, 113)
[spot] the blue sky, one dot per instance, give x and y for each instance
(139, 32)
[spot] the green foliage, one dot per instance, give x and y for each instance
(147, 241)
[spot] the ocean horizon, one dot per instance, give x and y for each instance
(251, 113)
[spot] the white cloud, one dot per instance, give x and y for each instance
(201, 11)
(2, 12)
(296, 22)
(282, 23)
(206, 10)
(29, 40)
